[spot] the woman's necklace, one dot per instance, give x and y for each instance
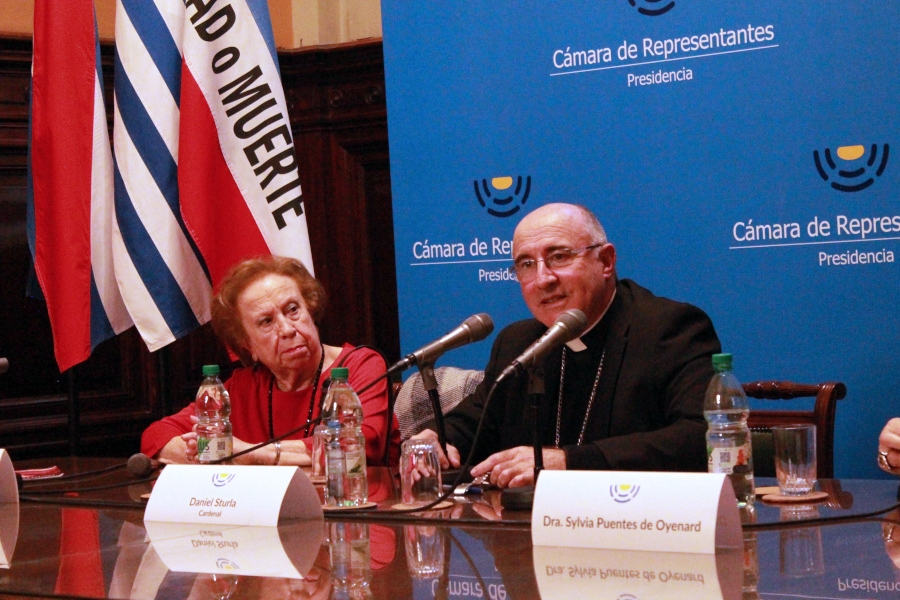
(312, 399)
(562, 381)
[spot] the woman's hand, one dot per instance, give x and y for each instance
(293, 453)
(182, 449)
(190, 442)
(190, 446)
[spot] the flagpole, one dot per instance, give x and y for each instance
(162, 370)
(74, 414)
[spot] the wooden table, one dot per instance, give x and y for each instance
(95, 545)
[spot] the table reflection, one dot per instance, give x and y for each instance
(9, 532)
(351, 560)
(459, 552)
(890, 533)
(427, 547)
(750, 582)
(800, 549)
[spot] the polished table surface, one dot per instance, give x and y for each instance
(95, 544)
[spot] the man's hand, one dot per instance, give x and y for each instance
(889, 441)
(451, 459)
(515, 467)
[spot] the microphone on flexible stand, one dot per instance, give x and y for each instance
(138, 465)
(568, 326)
(141, 466)
(474, 329)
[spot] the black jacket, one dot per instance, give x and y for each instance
(648, 411)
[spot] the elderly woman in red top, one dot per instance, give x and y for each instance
(266, 311)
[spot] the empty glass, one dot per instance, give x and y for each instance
(317, 475)
(795, 459)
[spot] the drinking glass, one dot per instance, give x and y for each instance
(795, 459)
(420, 472)
(317, 475)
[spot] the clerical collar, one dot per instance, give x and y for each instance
(577, 345)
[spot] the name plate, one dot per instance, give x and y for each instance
(232, 495)
(9, 510)
(631, 510)
(564, 573)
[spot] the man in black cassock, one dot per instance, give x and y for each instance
(627, 395)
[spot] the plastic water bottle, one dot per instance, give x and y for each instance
(213, 408)
(335, 464)
(343, 408)
(728, 437)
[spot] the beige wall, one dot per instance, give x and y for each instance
(17, 16)
(295, 23)
(318, 22)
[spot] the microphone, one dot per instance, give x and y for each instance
(141, 466)
(568, 326)
(474, 329)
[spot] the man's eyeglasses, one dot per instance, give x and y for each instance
(526, 269)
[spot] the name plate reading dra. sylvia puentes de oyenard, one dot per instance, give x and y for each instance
(631, 510)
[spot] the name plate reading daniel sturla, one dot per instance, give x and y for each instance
(232, 495)
(632, 510)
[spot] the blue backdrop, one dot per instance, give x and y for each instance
(741, 155)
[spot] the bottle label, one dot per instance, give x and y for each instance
(355, 461)
(724, 460)
(335, 472)
(210, 449)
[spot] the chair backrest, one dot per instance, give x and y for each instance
(413, 408)
(822, 416)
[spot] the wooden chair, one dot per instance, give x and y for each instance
(822, 416)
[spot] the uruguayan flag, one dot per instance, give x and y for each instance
(162, 275)
(206, 171)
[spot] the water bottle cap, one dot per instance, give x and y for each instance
(210, 370)
(340, 373)
(722, 362)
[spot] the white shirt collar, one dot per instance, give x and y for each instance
(577, 345)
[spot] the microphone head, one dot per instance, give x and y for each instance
(574, 322)
(140, 465)
(479, 326)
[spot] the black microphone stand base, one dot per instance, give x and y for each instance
(520, 498)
